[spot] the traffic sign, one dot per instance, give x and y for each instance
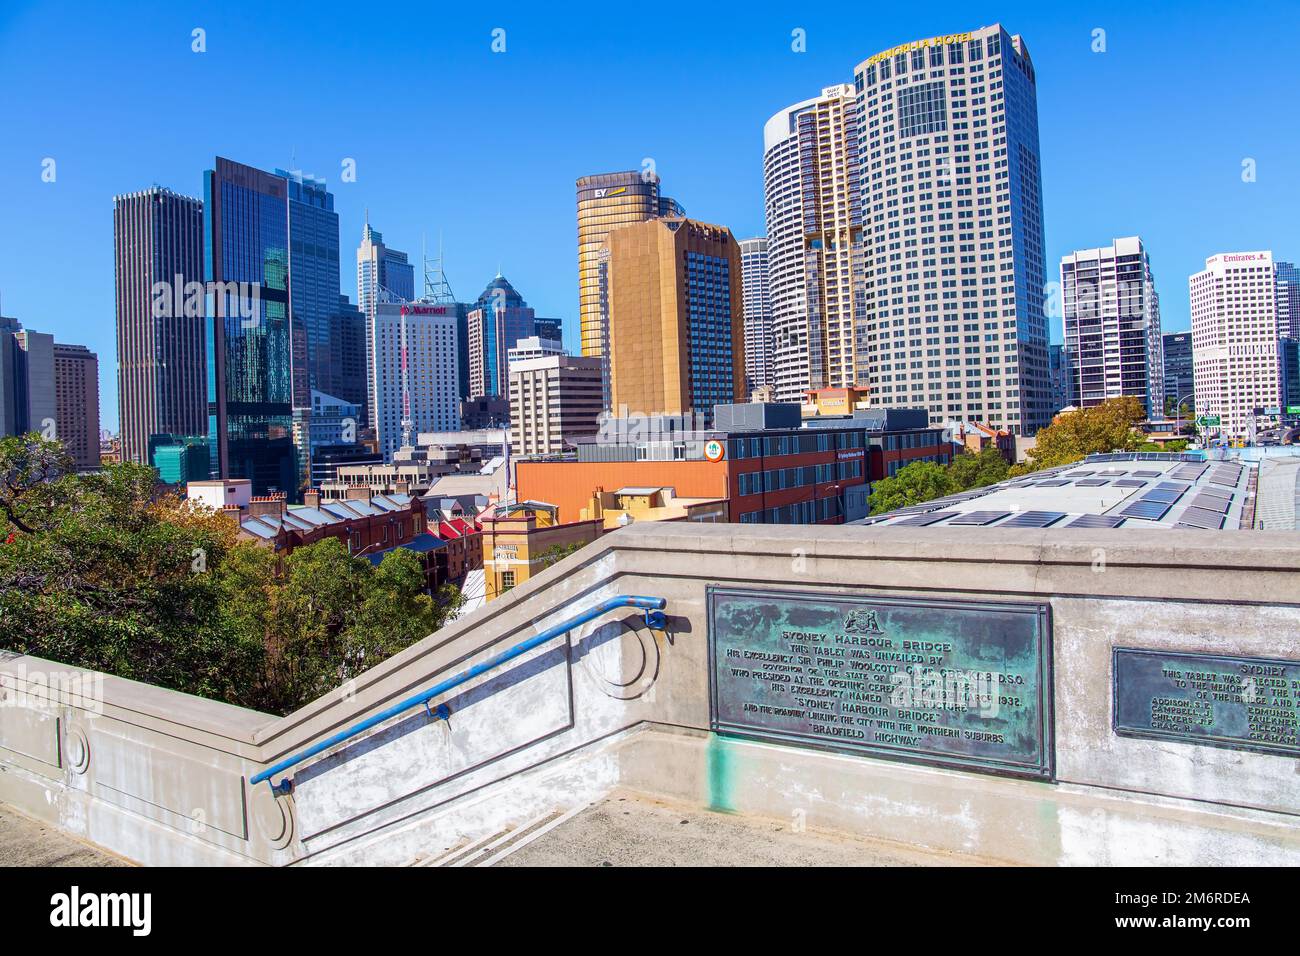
(1208, 421)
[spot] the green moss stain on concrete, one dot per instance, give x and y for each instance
(724, 763)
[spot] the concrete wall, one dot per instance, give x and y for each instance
(161, 777)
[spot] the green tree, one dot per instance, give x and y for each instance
(93, 574)
(969, 470)
(104, 571)
(1074, 435)
(913, 484)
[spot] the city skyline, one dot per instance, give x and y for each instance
(709, 153)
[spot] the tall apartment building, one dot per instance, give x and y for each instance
(758, 312)
(496, 323)
(1235, 339)
(812, 191)
(76, 403)
(675, 317)
(1180, 383)
(554, 400)
(250, 362)
(383, 275)
(414, 376)
(1112, 325)
(607, 201)
(161, 350)
(952, 212)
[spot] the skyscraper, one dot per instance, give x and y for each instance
(953, 218)
(758, 312)
(1235, 339)
(496, 322)
(1059, 368)
(675, 317)
(605, 202)
(76, 403)
(1112, 325)
(811, 178)
(313, 283)
(1288, 298)
(383, 275)
(249, 370)
(158, 261)
(1180, 383)
(27, 402)
(414, 374)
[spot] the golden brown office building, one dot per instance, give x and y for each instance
(606, 202)
(676, 321)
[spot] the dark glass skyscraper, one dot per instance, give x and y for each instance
(249, 364)
(1179, 380)
(157, 259)
(313, 283)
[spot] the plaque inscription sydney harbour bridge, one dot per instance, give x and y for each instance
(949, 683)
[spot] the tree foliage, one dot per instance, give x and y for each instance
(101, 571)
(1076, 434)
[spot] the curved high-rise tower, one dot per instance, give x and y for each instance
(814, 235)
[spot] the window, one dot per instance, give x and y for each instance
(507, 581)
(922, 109)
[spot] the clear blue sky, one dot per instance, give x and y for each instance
(451, 138)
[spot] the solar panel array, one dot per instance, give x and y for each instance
(1095, 521)
(1200, 518)
(1147, 509)
(1033, 519)
(1092, 482)
(920, 521)
(978, 517)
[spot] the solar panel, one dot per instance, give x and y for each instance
(1092, 482)
(920, 521)
(1214, 505)
(1096, 521)
(1165, 498)
(1215, 493)
(1146, 509)
(1129, 483)
(1055, 483)
(979, 517)
(1080, 474)
(1147, 474)
(1033, 519)
(1197, 518)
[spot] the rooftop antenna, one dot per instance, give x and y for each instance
(436, 286)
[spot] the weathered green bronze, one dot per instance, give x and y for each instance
(949, 683)
(1245, 703)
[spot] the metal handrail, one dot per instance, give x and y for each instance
(654, 618)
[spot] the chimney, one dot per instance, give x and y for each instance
(311, 498)
(267, 505)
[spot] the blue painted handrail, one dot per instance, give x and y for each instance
(654, 618)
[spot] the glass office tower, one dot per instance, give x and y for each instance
(249, 370)
(313, 283)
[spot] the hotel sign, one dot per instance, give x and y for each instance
(946, 40)
(954, 684)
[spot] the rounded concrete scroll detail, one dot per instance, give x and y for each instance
(621, 658)
(272, 817)
(76, 748)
